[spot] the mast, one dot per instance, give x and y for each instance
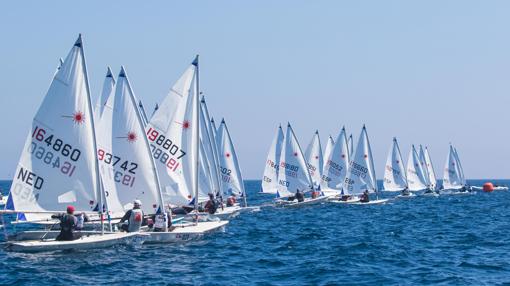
(196, 102)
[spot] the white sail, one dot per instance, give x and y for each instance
(361, 172)
(231, 178)
(336, 164)
(423, 164)
(206, 183)
(171, 132)
(451, 176)
(58, 165)
(430, 169)
(108, 89)
(208, 135)
(459, 165)
(126, 165)
(313, 156)
(293, 172)
(270, 179)
(415, 177)
(214, 129)
(351, 146)
(394, 171)
(327, 151)
(143, 114)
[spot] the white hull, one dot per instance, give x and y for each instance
(84, 243)
(186, 233)
(411, 195)
(372, 202)
(349, 201)
(499, 188)
(295, 203)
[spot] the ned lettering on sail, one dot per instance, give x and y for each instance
(30, 178)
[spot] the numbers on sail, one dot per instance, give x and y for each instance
(113, 160)
(164, 150)
(290, 170)
(51, 158)
(225, 174)
(117, 175)
(163, 158)
(56, 144)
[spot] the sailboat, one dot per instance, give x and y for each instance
(293, 173)
(174, 136)
(430, 170)
(327, 151)
(335, 167)
(453, 175)
(361, 172)
(395, 179)
(314, 159)
(231, 179)
(270, 177)
(126, 166)
(58, 164)
(417, 179)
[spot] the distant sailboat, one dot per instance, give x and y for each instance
(327, 151)
(335, 166)
(293, 174)
(270, 178)
(416, 178)
(361, 172)
(459, 164)
(395, 179)
(314, 159)
(430, 170)
(231, 178)
(452, 179)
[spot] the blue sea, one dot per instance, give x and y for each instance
(448, 240)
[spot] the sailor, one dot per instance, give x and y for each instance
(68, 223)
(231, 201)
(162, 222)
(405, 192)
(212, 205)
(299, 196)
(365, 198)
(133, 218)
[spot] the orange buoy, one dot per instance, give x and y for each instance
(488, 187)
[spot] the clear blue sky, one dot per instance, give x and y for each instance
(428, 72)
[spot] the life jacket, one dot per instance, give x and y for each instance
(135, 220)
(161, 222)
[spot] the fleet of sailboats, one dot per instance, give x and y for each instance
(101, 158)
